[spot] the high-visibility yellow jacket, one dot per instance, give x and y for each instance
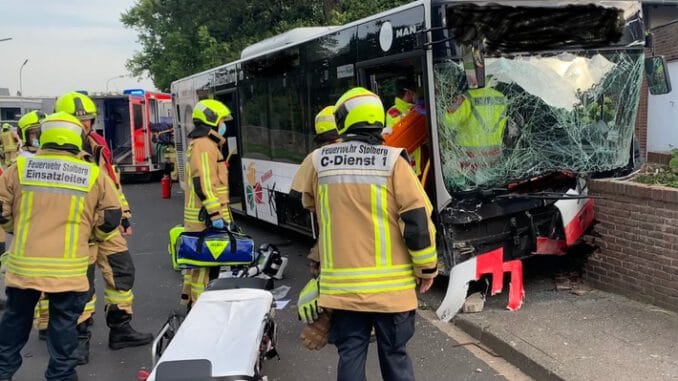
(9, 140)
(479, 120)
(206, 181)
(54, 203)
(376, 233)
(397, 112)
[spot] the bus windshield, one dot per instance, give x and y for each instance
(569, 111)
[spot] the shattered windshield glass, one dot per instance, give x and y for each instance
(574, 111)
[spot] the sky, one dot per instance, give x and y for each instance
(69, 44)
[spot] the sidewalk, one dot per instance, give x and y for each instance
(596, 336)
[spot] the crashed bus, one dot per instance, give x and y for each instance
(569, 75)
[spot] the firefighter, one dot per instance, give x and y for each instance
(363, 192)
(307, 305)
(50, 254)
(112, 257)
(478, 118)
(325, 133)
(29, 127)
(9, 143)
(206, 180)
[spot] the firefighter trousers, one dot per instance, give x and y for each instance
(195, 281)
(350, 332)
(115, 263)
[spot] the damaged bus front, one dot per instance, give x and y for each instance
(531, 100)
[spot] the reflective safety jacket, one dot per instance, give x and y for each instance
(376, 233)
(98, 148)
(396, 112)
(53, 203)
(479, 120)
(206, 181)
(9, 140)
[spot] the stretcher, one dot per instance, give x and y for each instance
(225, 337)
(228, 332)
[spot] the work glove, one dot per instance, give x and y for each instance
(307, 304)
(315, 336)
(219, 224)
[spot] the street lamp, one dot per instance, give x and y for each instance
(110, 79)
(21, 84)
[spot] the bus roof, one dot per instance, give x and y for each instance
(272, 48)
(290, 37)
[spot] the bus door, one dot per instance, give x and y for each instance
(139, 130)
(231, 151)
(400, 85)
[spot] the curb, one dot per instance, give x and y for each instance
(528, 359)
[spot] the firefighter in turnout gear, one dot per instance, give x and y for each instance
(29, 126)
(9, 143)
(377, 240)
(206, 180)
(112, 256)
(53, 203)
(307, 304)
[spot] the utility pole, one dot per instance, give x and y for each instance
(110, 79)
(21, 84)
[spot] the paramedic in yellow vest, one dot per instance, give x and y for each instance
(52, 222)
(206, 180)
(478, 118)
(376, 238)
(9, 143)
(404, 103)
(29, 128)
(112, 257)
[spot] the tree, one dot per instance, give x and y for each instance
(179, 38)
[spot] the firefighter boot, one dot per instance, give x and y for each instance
(122, 334)
(84, 336)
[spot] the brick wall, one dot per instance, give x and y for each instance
(638, 242)
(641, 120)
(665, 41)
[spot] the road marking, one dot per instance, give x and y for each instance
(495, 362)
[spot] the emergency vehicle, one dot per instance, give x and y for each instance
(137, 126)
(570, 74)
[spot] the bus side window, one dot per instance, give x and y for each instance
(254, 121)
(287, 121)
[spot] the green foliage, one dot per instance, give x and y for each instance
(661, 177)
(179, 38)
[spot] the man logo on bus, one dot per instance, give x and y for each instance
(406, 31)
(386, 36)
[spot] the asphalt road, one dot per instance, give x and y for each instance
(436, 355)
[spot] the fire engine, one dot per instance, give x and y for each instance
(137, 126)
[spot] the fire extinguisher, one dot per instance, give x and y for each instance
(166, 186)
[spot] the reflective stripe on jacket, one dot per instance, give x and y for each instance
(206, 184)
(376, 234)
(52, 203)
